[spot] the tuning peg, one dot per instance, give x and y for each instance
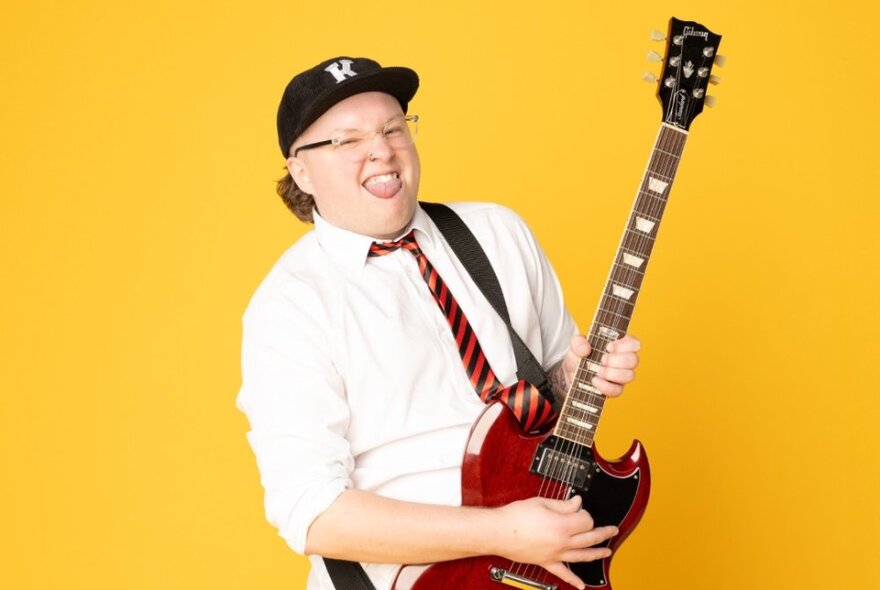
(720, 60)
(657, 36)
(713, 79)
(654, 56)
(649, 77)
(711, 101)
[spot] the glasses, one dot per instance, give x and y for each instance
(354, 144)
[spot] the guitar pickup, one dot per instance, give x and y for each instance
(564, 461)
(502, 576)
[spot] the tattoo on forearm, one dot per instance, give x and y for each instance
(557, 380)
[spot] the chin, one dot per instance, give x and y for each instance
(394, 221)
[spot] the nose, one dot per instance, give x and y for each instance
(379, 147)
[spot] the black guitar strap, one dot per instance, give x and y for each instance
(350, 575)
(474, 259)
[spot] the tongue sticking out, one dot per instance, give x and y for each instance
(384, 189)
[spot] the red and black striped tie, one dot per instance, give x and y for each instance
(528, 405)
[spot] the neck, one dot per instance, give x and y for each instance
(584, 403)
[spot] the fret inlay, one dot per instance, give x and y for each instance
(584, 407)
(632, 260)
(581, 423)
(588, 387)
(620, 291)
(656, 185)
(609, 333)
(644, 225)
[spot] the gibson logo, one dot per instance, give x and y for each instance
(689, 31)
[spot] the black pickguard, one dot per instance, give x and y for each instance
(608, 500)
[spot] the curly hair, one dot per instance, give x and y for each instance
(298, 201)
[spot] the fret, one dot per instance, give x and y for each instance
(585, 420)
(574, 434)
(590, 418)
(649, 206)
(662, 166)
(655, 185)
(666, 153)
(640, 235)
(628, 271)
(585, 375)
(623, 317)
(640, 238)
(609, 333)
(587, 387)
(593, 398)
(625, 281)
(648, 216)
(631, 252)
(654, 196)
(620, 305)
(622, 295)
(631, 266)
(585, 410)
(579, 423)
(585, 407)
(662, 176)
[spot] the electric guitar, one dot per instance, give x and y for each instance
(502, 463)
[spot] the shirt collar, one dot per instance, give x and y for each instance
(350, 249)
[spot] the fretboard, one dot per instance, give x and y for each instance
(583, 405)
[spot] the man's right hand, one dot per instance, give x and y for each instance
(549, 533)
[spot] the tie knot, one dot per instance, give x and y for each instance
(407, 242)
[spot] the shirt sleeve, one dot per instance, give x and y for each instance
(295, 402)
(556, 324)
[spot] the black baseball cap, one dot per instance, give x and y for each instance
(311, 93)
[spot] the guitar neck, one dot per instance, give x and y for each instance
(583, 405)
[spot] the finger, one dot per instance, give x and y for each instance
(578, 350)
(580, 345)
(572, 505)
(626, 344)
(561, 571)
(620, 360)
(578, 524)
(592, 554)
(607, 388)
(593, 537)
(619, 376)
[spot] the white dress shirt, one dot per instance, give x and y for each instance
(351, 376)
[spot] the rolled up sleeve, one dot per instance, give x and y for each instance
(295, 402)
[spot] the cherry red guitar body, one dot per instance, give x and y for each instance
(496, 471)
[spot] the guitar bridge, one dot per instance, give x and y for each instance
(503, 576)
(564, 461)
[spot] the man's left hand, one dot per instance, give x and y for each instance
(617, 364)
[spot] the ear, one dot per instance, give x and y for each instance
(300, 174)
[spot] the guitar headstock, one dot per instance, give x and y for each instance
(691, 52)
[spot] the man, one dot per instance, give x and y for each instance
(359, 401)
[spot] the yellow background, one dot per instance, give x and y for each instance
(138, 215)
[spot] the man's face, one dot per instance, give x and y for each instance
(337, 184)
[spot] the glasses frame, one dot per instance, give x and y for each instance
(335, 140)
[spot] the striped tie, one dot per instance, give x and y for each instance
(530, 407)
